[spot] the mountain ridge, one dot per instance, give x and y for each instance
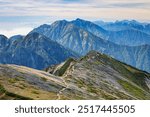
(94, 76)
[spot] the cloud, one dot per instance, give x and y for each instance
(12, 25)
(16, 31)
(77, 8)
(31, 13)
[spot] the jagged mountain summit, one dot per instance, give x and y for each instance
(132, 34)
(35, 51)
(91, 27)
(94, 76)
(82, 36)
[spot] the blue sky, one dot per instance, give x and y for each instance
(20, 16)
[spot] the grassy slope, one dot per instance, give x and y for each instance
(133, 74)
(137, 77)
(18, 88)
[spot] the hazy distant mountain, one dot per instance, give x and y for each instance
(82, 40)
(124, 25)
(141, 31)
(130, 37)
(36, 51)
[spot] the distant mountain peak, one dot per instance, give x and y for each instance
(3, 36)
(16, 37)
(127, 22)
(60, 22)
(45, 25)
(79, 19)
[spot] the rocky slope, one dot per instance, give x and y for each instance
(104, 77)
(18, 82)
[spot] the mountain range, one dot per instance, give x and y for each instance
(126, 32)
(77, 59)
(124, 24)
(52, 44)
(82, 36)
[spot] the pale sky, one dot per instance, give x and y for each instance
(21, 16)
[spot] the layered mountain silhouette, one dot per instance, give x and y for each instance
(127, 32)
(124, 25)
(94, 76)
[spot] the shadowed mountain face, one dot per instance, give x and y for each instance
(82, 36)
(3, 41)
(35, 51)
(94, 76)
